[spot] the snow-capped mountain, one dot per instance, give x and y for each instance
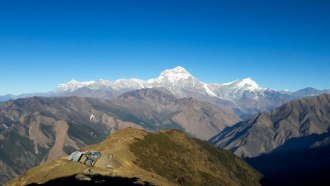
(242, 85)
(74, 85)
(178, 80)
(244, 96)
(235, 89)
(172, 75)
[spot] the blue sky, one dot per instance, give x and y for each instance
(282, 44)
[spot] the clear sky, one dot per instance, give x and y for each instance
(281, 44)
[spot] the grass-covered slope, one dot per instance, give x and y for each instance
(138, 157)
(188, 161)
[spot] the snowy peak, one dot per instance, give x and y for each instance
(73, 82)
(249, 83)
(70, 86)
(178, 69)
(246, 84)
(175, 74)
(132, 83)
(177, 80)
(74, 85)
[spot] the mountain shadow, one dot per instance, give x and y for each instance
(297, 162)
(95, 180)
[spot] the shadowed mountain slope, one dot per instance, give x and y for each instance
(269, 130)
(290, 145)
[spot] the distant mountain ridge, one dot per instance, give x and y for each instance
(177, 80)
(245, 95)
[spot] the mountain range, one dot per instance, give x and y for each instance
(245, 96)
(37, 129)
(267, 131)
(257, 124)
(290, 145)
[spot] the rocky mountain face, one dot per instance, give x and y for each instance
(267, 131)
(38, 129)
(289, 145)
(245, 95)
(160, 108)
(168, 157)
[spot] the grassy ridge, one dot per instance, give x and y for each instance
(187, 161)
